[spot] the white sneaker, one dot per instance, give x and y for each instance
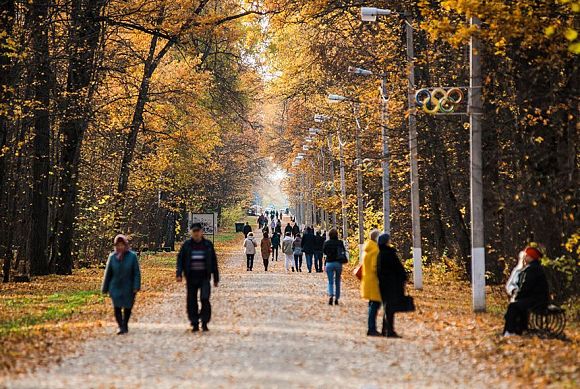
(508, 334)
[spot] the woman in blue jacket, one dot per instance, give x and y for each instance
(122, 281)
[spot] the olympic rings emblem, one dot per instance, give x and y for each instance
(438, 100)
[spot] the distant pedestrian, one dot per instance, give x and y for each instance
(197, 259)
(278, 228)
(275, 246)
(335, 253)
(122, 281)
(318, 253)
(266, 248)
(247, 229)
(295, 230)
(392, 278)
(369, 286)
(308, 243)
(288, 251)
(287, 229)
(272, 226)
(297, 249)
(250, 251)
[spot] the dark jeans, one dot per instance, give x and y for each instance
(373, 311)
(298, 261)
(318, 261)
(309, 261)
(250, 261)
(266, 260)
(274, 253)
(122, 316)
(201, 285)
(516, 318)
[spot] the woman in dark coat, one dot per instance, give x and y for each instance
(392, 278)
(122, 281)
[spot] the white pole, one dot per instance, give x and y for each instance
(332, 191)
(359, 185)
(477, 238)
(342, 189)
(386, 157)
(415, 210)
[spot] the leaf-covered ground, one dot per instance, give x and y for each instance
(276, 330)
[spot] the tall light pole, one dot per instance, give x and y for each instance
(475, 106)
(332, 98)
(385, 142)
(318, 118)
(369, 14)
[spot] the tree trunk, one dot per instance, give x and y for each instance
(38, 232)
(7, 13)
(83, 42)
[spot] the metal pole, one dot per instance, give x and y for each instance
(386, 159)
(475, 111)
(359, 184)
(342, 188)
(415, 212)
(332, 191)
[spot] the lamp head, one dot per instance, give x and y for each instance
(369, 14)
(332, 98)
(359, 71)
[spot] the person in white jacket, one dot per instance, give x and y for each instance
(250, 249)
(288, 251)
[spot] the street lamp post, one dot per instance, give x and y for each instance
(385, 142)
(332, 98)
(369, 14)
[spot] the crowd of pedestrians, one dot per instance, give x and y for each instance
(381, 272)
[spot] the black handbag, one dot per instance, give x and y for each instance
(341, 255)
(407, 304)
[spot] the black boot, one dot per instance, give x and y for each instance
(204, 327)
(330, 300)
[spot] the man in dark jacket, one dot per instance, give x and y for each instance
(295, 230)
(308, 242)
(198, 261)
(533, 293)
(392, 278)
(247, 229)
(275, 245)
(318, 251)
(287, 229)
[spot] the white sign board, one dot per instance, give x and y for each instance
(208, 222)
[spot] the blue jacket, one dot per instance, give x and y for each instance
(184, 260)
(122, 279)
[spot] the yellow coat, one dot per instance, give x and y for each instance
(369, 286)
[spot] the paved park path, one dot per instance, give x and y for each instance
(270, 330)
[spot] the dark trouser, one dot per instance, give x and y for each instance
(122, 316)
(372, 319)
(516, 318)
(274, 253)
(309, 261)
(388, 321)
(318, 261)
(266, 260)
(201, 284)
(298, 261)
(250, 261)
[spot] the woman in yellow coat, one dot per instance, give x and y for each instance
(369, 287)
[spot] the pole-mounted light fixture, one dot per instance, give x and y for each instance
(359, 71)
(369, 14)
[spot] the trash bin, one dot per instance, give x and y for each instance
(239, 227)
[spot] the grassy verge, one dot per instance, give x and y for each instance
(41, 319)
